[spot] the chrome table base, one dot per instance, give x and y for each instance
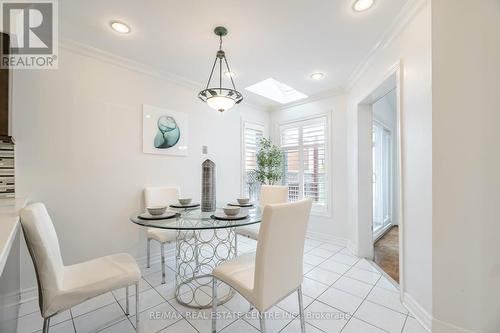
(197, 253)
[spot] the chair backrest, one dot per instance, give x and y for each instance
(43, 245)
(273, 194)
(280, 250)
(157, 196)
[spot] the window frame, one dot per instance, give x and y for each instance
(304, 121)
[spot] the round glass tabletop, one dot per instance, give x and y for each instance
(195, 219)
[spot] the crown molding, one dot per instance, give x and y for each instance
(409, 11)
(127, 63)
(324, 95)
(405, 16)
(93, 52)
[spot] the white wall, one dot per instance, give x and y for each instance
(333, 226)
(78, 134)
(413, 47)
(466, 165)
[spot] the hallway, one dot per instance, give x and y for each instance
(387, 253)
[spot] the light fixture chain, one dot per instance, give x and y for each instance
(220, 75)
(229, 71)
(211, 73)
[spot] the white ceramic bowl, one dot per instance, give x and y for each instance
(156, 210)
(185, 201)
(231, 211)
(243, 201)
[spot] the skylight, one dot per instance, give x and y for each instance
(277, 91)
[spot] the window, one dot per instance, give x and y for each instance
(304, 146)
(252, 134)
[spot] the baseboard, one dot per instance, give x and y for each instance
(351, 247)
(326, 238)
(423, 317)
(428, 322)
(28, 294)
(155, 258)
(439, 326)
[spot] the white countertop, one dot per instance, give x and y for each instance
(9, 224)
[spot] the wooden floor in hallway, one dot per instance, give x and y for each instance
(387, 253)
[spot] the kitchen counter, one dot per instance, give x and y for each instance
(9, 226)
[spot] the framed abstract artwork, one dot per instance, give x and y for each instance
(164, 131)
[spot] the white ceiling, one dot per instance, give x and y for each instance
(283, 39)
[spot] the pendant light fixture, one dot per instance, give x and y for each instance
(219, 98)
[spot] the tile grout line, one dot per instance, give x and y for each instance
(331, 285)
(127, 317)
(72, 319)
(404, 324)
(364, 299)
(357, 308)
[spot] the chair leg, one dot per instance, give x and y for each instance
(127, 312)
(137, 306)
(214, 305)
(162, 249)
(149, 253)
(262, 318)
(46, 324)
(301, 310)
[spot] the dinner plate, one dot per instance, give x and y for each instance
(240, 205)
(192, 205)
(167, 215)
(223, 216)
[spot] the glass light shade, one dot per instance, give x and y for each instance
(220, 103)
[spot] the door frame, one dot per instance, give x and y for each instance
(364, 209)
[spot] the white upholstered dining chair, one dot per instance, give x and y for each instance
(269, 194)
(61, 287)
(272, 273)
(156, 196)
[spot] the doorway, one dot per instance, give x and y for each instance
(384, 221)
(379, 210)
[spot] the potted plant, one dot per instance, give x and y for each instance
(269, 162)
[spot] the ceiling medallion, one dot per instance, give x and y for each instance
(220, 98)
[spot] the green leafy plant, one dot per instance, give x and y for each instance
(269, 162)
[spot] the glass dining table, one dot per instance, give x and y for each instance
(202, 243)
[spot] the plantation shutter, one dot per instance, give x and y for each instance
(252, 134)
(313, 148)
(291, 161)
(305, 155)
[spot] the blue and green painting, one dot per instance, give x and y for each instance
(168, 133)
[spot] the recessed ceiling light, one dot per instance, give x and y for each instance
(362, 5)
(317, 76)
(120, 27)
(230, 74)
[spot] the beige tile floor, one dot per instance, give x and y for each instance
(342, 293)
